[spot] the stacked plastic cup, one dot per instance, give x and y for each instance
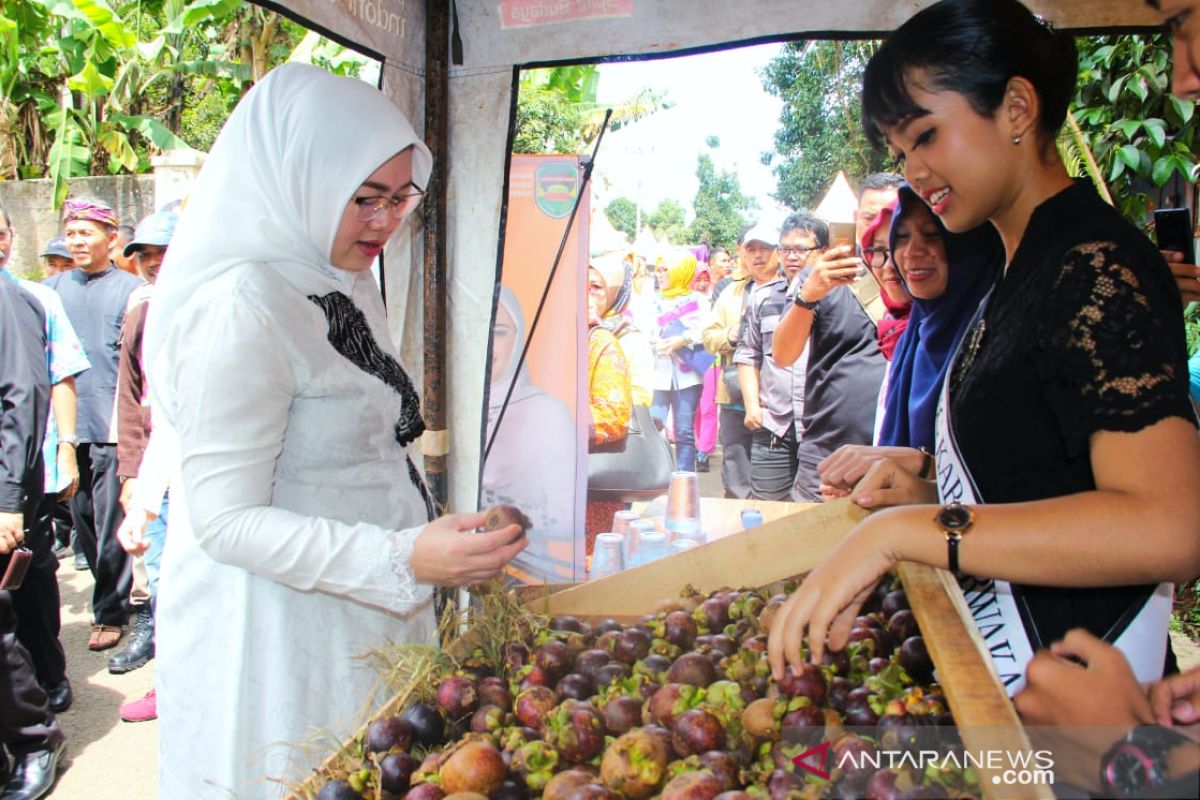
(607, 558)
(683, 507)
(652, 546)
(637, 529)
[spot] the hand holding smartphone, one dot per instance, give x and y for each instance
(1173, 229)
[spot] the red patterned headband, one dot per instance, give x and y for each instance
(74, 210)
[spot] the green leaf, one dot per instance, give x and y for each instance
(1118, 168)
(1138, 87)
(90, 81)
(1184, 108)
(69, 158)
(1163, 168)
(152, 129)
(1156, 129)
(1114, 91)
(1130, 156)
(1129, 127)
(120, 151)
(200, 10)
(152, 48)
(100, 15)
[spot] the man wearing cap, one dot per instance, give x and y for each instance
(147, 248)
(37, 603)
(96, 295)
(774, 394)
(58, 258)
(758, 264)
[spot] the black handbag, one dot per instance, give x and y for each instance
(638, 467)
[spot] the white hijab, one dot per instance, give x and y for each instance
(277, 181)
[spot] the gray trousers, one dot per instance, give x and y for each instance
(735, 439)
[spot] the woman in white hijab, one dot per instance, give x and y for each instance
(533, 460)
(304, 533)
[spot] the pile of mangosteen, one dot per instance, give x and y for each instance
(678, 705)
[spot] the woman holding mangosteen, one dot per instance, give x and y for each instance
(1067, 455)
(306, 536)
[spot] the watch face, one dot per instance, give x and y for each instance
(955, 517)
(1128, 770)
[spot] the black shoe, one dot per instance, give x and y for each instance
(60, 696)
(702, 463)
(139, 647)
(33, 774)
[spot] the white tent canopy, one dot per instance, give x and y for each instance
(498, 35)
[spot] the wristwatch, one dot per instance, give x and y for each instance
(802, 303)
(72, 440)
(955, 520)
(1138, 762)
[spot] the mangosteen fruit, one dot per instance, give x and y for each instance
(914, 657)
(723, 766)
(807, 680)
(575, 687)
(892, 602)
(622, 713)
(487, 719)
(632, 645)
(473, 767)
(695, 732)
(494, 692)
(587, 662)
(457, 696)
(502, 516)
(425, 791)
(605, 626)
(388, 733)
(428, 724)
(902, 625)
(713, 614)
(554, 658)
(679, 629)
(535, 763)
(610, 672)
(561, 784)
(338, 790)
(635, 764)
(576, 729)
(693, 785)
(592, 791)
(510, 790)
(533, 704)
(758, 720)
(804, 725)
(695, 669)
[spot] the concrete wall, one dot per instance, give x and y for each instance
(35, 222)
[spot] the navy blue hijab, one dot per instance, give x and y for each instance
(934, 328)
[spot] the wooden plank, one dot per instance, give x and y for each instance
(985, 716)
(789, 546)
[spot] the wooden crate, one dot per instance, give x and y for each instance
(793, 539)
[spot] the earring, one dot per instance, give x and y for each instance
(1016, 139)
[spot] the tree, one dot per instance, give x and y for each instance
(719, 206)
(97, 86)
(669, 223)
(1142, 141)
(820, 128)
(622, 215)
(557, 110)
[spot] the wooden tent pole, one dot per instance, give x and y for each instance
(437, 105)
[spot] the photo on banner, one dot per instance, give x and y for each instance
(538, 458)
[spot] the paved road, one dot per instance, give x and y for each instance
(107, 759)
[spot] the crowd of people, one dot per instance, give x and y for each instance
(994, 362)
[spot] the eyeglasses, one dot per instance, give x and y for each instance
(876, 257)
(796, 251)
(369, 209)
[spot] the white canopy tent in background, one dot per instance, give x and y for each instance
(486, 41)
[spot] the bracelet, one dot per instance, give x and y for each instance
(927, 464)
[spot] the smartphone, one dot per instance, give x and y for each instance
(1173, 228)
(841, 233)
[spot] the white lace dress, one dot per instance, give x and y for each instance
(292, 524)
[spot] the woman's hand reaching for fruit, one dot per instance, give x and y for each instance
(830, 597)
(449, 552)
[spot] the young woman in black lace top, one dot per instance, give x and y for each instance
(1064, 429)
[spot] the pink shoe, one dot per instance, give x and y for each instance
(142, 710)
